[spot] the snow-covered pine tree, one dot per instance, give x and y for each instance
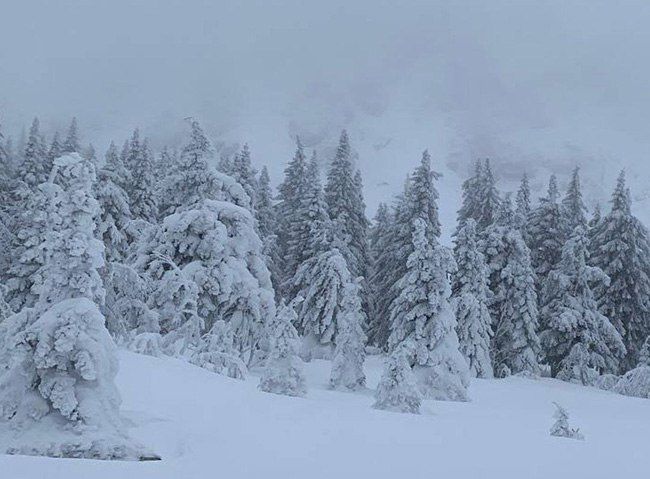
(470, 207)
(349, 353)
(574, 211)
(621, 248)
(267, 219)
(216, 352)
(59, 390)
(523, 207)
(516, 343)
(34, 168)
(56, 149)
(578, 342)
(282, 371)
(115, 213)
(243, 172)
(142, 194)
(345, 206)
(292, 228)
(489, 197)
(546, 233)
(209, 233)
(71, 143)
(379, 241)
(471, 295)
(398, 388)
(422, 313)
(644, 353)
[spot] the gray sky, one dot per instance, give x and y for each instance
(535, 86)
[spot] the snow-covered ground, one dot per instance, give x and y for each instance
(209, 426)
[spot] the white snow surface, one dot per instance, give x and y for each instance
(206, 425)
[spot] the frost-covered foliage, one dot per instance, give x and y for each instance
(349, 353)
(621, 248)
(142, 191)
(561, 427)
(209, 234)
(71, 143)
(267, 221)
(546, 232)
(514, 305)
(398, 389)
(282, 371)
(244, 173)
(606, 381)
(644, 353)
(471, 295)
(58, 391)
(216, 352)
(579, 342)
(574, 211)
(421, 314)
(481, 197)
(635, 382)
(346, 208)
(115, 215)
(35, 167)
(523, 207)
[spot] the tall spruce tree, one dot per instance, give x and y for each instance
(379, 270)
(267, 220)
(71, 143)
(471, 295)
(574, 211)
(621, 248)
(523, 207)
(579, 343)
(33, 169)
(142, 193)
(242, 170)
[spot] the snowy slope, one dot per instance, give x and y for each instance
(208, 426)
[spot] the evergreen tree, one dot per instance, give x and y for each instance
(71, 143)
(546, 233)
(209, 233)
(217, 352)
(345, 206)
(63, 362)
(471, 296)
(282, 371)
(266, 223)
(561, 427)
(574, 211)
(33, 169)
(349, 354)
(243, 172)
(579, 343)
(644, 354)
(470, 206)
(621, 249)
(398, 389)
(516, 343)
(142, 193)
(489, 197)
(379, 271)
(56, 149)
(523, 207)
(421, 313)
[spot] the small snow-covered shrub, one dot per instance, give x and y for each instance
(561, 427)
(147, 343)
(606, 382)
(217, 353)
(635, 383)
(398, 389)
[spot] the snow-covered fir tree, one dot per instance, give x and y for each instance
(34, 167)
(58, 390)
(217, 352)
(282, 370)
(56, 148)
(546, 232)
(265, 213)
(574, 211)
(561, 427)
(345, 206)
(523, 207)
(578, 342)
(644, 353)
(515, 314)
(243, 172)
(398, 388)
(71, 143)
(349, 353)
(471, 295)
(621, 248)
(142, 193)
(422, 313)
(209, 233)
(115, 213)
(379, 274)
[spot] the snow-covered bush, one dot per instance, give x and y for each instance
(216, 353)
(561, 427)
(635, 382)
(58, 390)
(398, 389)
(349, 354)
(606, 381)
(282, 372)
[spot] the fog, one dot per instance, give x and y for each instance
(535, 86)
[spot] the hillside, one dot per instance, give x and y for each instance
(205, 425)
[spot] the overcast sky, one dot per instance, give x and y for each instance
(535, 86)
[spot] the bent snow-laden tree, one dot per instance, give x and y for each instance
(209, 233)
(398, 389)
(423, 315)
(58, 392)
(579, 342)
